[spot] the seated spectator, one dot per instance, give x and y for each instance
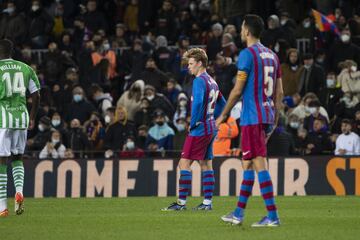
(103, 100)
(130, 150)
(79, 108)
(314, 110)
(182, 130)
(131, 99)
(172, 91)
(143, 116)
(227, 131)
(53, 148)
(95, 131)
(318, 141)
(292, 101)
(43, 135)
(117, 133)
(349, 78)
(348, 143)
(182, 109)
(158, 100)
(153, 76)
(109, 117)
(142, 133)
(58, 124)
(77, 139)
(160, 136)
(302, 110)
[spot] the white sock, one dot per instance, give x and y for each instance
(3, 204)
(181, 202)
(207, 201)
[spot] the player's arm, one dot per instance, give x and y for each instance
(220, 104)
(233, 97)
(34, 89)
(279, 95)
(198, 93)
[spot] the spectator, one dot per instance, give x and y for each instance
(163, 56)
(109, 117)
(291, 73)
(312, 78)
(94, 19)
(58, 124)
(225, 72)
(318, 141)
(153, 76)
(160, 136)
(133, 61)
(182, 130)
(104, 52)
(131, 16)
(79, 108)
(172, 91)
(158, 100)
(349, 78)
(343, 50)
(69, 154)
(120, 39)
(302, 110)
(314, 110)
(229, 48)
(43, 135)
(95, 131)
(103, 100)
(142, 133)
(143, 116)
(40, 25)
(131, 99)
(130, 150)
(12, 24)
(182, 109)
(227, 131)
(77, 140)
(54, 148)
(165, 22)
(272, 35)
(348, 143)
(214, 42)
(117, 133)
(331, 94)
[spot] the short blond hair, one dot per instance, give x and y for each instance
(198, 54)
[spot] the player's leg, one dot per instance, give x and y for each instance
(18, 172)
(4, 153)
(266, 186)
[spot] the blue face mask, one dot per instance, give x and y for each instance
(77, 97)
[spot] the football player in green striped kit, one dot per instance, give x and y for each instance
(15, 78)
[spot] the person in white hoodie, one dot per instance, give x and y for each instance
(53, 148)
(348, 143)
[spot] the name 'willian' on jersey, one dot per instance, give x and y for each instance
(207, 104)
(263, 69)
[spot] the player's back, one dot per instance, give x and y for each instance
(16, 77)
(259, 92)
(205, 95)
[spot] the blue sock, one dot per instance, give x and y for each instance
(266, 188)
(245, 192)
(184, 184)
(208, 182)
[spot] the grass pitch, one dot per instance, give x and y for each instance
(141, 218)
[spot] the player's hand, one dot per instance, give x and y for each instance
(219, 120)
(31, 124)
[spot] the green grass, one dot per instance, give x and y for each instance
(141, 218)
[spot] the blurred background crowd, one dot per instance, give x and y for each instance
(113, 83)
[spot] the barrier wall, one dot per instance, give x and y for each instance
(321, 175)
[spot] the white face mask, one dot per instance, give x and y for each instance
(180, 127)
(182, 103)
(130, 145)
(35, 8)
(345, 38)
(312, 110)
(283, 22)
(307, 66)
(330, 83)
(107, 119)
(277, 47)
(294, 68)
(106, 46)
(55, 122)
(306, 24)
(150, 98)
(353, 68)
(55, 141)
(41, 128)
(294, 125)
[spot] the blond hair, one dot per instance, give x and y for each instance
(198, 54)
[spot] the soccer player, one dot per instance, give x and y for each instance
(207, 101)
(16, 78)
(259, 83)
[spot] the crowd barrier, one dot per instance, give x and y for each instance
(316, 175)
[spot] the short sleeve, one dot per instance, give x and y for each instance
(34, 84)
(245, 61)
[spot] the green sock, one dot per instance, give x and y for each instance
(18, 175)
(3, 186)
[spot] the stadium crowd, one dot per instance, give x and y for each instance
(113, 82)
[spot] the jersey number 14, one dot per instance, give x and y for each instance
(15, 86)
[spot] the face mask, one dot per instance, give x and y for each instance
(55, 122)
(294, 67)
(180, 127)
(106, 46)
(320, 60)
(283, 22)
(353, 68)
(10, 10)
(307, 109)
(34, 8)
(307, 66)
(182, 103)
(55, 141)
(41, 128)
(306, 24)
(345, 38)
(294, 125)
(277, 47)
(312, 110)
(160, 123)
(107, 119)
(150, 98)
(130, 145)
(330, 83)
(77, 97)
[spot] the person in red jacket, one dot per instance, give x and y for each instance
(130, 150)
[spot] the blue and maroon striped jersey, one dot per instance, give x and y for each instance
(263, 69)
(207, 104)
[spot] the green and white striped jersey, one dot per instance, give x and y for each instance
(15, 78)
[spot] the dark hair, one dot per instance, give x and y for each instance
(255, 24)
(6, 48)
(314, 103)
(346, 121)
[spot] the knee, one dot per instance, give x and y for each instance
(206, 165)
(184, 164)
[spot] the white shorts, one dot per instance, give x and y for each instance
(12, 141)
